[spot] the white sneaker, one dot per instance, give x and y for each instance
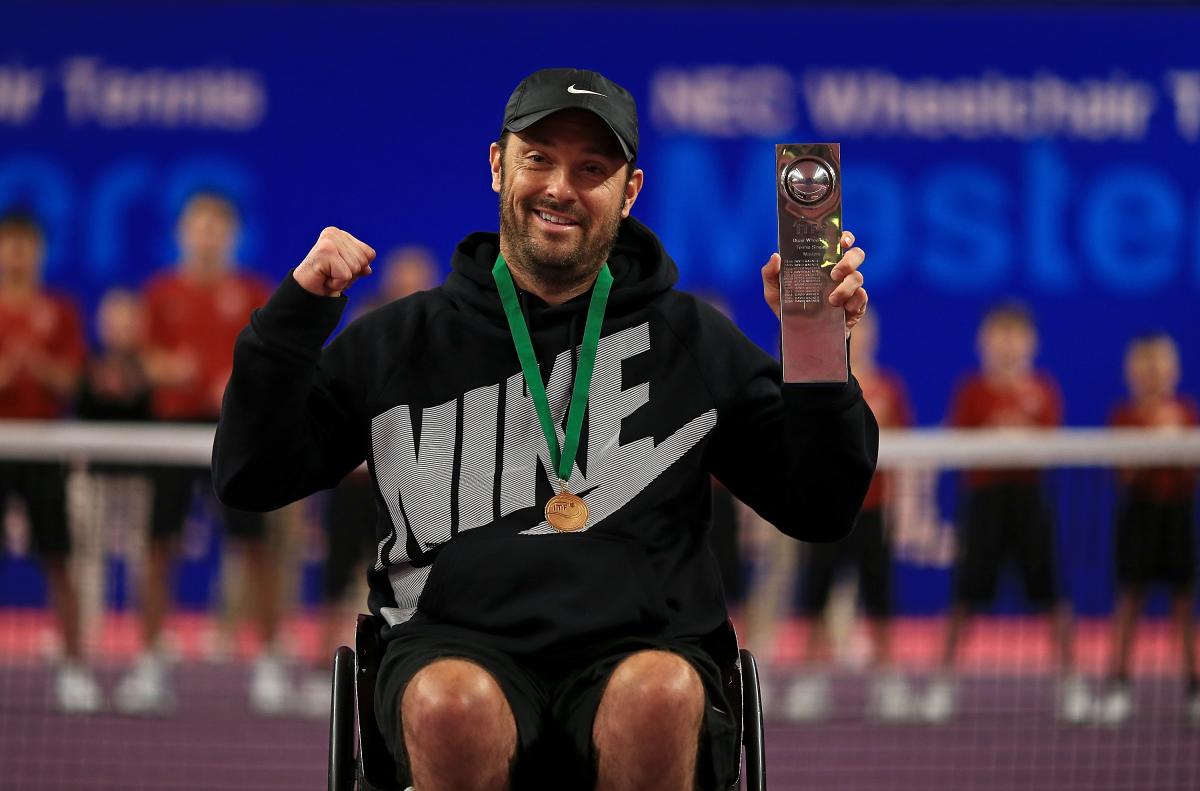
(1075, 703)
(938, 704)
(889, 698)
(270, 692)
(316, 696)
(145, 689)
(1116, 707)
(807, 700)
(76, 690)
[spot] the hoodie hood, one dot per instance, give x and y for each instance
(641, 270)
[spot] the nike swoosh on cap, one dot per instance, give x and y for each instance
(572, 89)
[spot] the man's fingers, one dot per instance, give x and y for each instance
(770, 270)
(857, 303)
(367, 249)
(337, 275)
(846, 289)
(352, 260)
(847, 240)
(770, 276)
(353, 253)
(334, 263)
(856, 308)
(850, 262)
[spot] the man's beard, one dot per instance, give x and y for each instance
(557, 270)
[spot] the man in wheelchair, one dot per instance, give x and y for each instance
(541, 431)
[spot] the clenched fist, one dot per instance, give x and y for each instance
(334, 263)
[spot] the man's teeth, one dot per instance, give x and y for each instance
(555, 220)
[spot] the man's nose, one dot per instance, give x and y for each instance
(560, 187)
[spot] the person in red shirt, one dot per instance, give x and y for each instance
(194, 313)
(1154, 540)
(868, 550)
(1005, 515)
(41, 353)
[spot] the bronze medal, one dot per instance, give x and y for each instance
(566, 512)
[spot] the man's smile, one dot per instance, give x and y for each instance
(554, 221)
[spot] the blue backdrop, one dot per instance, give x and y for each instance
(1046, 155)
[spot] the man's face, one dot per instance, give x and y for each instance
(1007, 344)
(563, 192)
(408, 271)
(207, 233)
(1152, 369)
(21, 253)
(120, 321)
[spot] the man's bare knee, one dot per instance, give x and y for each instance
(452, 696)
(647, 728)
(655, 683)
(458, 728)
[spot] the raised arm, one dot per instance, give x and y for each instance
(291, 419)
(802, 456)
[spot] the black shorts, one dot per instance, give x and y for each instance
(1002, 523)
(1156, 542)
(174, 490)
(867, 549)
(554, 707)
(43, 488)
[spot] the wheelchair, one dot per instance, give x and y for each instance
(368, 766)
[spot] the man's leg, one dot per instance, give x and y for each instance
(459, 730)
(155, 590)
(262, 578)
(808, 696)
(65, 600)
(1182, 602)
(43, 486)
(1129, 603)
(647, 728)
(146, 687)
(1062, 632)
(348, 531)
(270, 685)
(974, 582)
(983, 549)
(959, 611)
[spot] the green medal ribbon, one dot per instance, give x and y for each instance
(564, 460)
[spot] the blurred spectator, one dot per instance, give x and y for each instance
(41, 351)
(1155, 540)
(109, 501)
(1005, 516)
(350, 512)
(114, 385)
(406, 270)
(194, 313)
(868, 551)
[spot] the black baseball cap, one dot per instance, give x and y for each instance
(550, 90)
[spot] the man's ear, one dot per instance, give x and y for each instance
(632, 189)
(495, 156)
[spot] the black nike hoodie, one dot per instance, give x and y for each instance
(429, 391)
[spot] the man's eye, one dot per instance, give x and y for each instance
(536, 158)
